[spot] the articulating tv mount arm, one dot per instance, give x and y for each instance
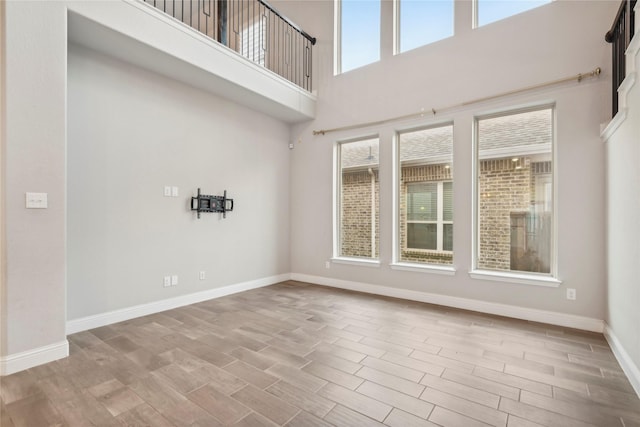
(206, 203)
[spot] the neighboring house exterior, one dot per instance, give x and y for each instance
(514, 191)
(360, 236)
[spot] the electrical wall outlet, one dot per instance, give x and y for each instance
(327, 264)
(571, 294)
(174, 191)
(174, 280)
(167, 281)
(203, 275)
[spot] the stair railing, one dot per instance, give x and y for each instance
(254, 29)
(620, 36)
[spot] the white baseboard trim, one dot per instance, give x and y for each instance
(103, 319)
(628, 366)
(28, 359)
(535, 315)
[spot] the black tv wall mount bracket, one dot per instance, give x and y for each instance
(206, 203)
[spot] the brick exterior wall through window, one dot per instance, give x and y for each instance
(355, 237)
(503, 190)
(505, 187)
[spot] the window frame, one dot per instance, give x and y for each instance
(337, 256)
(476, 13)
(397, 28)
(248, 41)
(337, 39)
(396, 262)
(518, 277)
(439, 222)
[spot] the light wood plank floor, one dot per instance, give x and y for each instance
(302, 355)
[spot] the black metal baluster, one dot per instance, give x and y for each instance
(620, 36)
(278, 45)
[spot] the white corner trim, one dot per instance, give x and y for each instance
(17, 362)
(524, 313)
(103, 319)
(632, 51)
(624, 89)
(613, 125)
(628, 366)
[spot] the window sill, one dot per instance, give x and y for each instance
(520, 279)
(430, 268)
(364, 262)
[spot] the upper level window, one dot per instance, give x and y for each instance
(254, 39)
(359, 33)
(515, 223)
(359, 200)
(425, 196)
(488, 11)
(420, 22)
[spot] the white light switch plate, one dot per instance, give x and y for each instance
(174, 191)
(174, 280)
(36, 200)
(167, 191)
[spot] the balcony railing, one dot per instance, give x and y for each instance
(620, 36)
(254, 29)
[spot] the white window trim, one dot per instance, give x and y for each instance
(363, 262)
(397, 37)
(476, 9)
(396, 264)
(337, 206)
(396, 27)
(439, 222)
(523, 278)
(516, 278)
(446, 270)
(337, 37)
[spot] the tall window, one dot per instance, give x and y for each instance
(488, 11)
(358, 209)
(359, 24)
(426, 195)
(420, 22)
(515, 226)
(254, 40)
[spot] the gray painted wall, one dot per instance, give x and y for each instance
(34, 161)
(34, 143)
(130, 133)
(541, 45)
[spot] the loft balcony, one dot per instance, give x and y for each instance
(254, 29)
(241, 50)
